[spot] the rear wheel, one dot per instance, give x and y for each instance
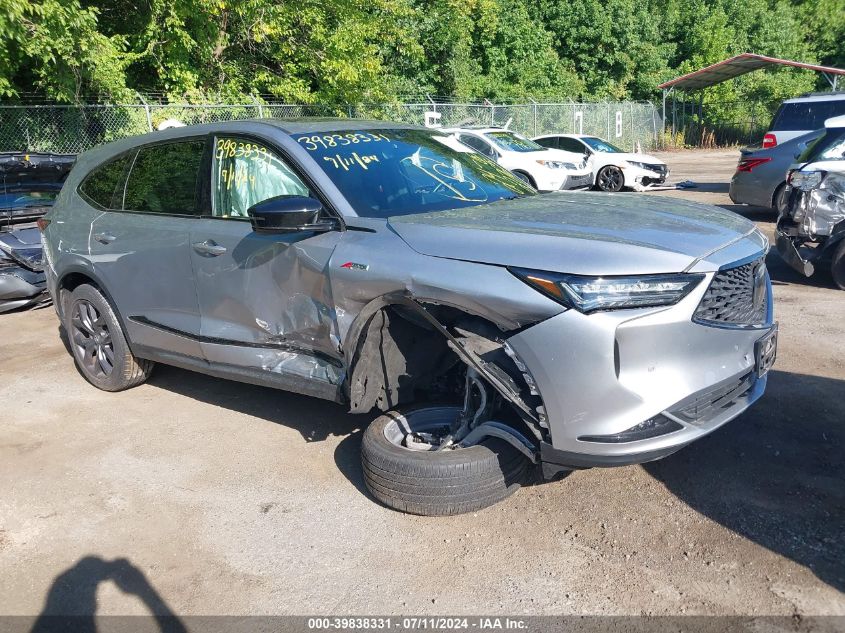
(837, 266)
(780, 199)
(404, 470)
(98, 345)
(610, 178)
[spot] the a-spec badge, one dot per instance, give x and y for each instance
(355, 266)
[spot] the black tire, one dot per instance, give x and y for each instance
(524, 177)
(837, 266)
(98, 344)
(780, 199)
(436, 483)
(610, 178)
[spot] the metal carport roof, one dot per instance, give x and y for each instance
(739, 65)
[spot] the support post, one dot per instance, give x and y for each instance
(147, 111)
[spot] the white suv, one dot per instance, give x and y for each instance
(803, 115)
(545, 169)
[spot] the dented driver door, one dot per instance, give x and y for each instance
(265, 300)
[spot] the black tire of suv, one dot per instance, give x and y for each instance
(837, 266)
(128, 371)
(437, 483)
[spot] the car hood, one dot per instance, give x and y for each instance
(581, 233)
(638, 158)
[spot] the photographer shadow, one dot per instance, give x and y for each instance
(71, 603)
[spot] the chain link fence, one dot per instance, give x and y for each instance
(74, 129)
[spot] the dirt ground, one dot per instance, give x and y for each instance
(223, 498)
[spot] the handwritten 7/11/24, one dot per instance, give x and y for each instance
(353, 160)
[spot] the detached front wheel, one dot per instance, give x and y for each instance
(404, 470)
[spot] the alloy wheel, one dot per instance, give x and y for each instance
(92, 340)
(610, 179)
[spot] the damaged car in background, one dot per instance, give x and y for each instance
(30, 184)
(391, 268)
(811, 228)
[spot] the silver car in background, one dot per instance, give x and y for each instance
(389, 267)
(760, 177)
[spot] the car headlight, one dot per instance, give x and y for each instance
(639, 165)
(589, 294)
(805, 180)
(556, 164)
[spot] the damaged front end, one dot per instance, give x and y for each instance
(415, 351)
(812, 225)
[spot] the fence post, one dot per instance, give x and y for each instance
(492, 112)
(534, 108)
(147, 111)
(260, 107)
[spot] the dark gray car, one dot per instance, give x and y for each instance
(760, 177)
(389, 267)
(29, 183)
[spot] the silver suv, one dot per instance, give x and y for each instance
(388, 267)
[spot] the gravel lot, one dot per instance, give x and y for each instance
(234, 499)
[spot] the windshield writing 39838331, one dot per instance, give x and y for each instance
(385, 173)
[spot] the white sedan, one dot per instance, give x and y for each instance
(544, 169)
(612, 168)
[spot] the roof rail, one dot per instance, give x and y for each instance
(824, 93)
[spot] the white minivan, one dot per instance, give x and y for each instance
(802, 115)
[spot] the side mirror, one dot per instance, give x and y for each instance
(286, 214)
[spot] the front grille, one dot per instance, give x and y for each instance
(660, 169)
(736, 296)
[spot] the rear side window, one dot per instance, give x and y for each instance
(104, 185)
(571, 145)
(806, 115)
(477, 144)
(165, 179)
(550, 142)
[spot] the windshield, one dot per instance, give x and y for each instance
(385, 173)
(806, 115)
(12, 198)
(513, 142)
(598, 145)
(829, 146)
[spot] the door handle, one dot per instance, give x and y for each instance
(104, 238)
(209, 247)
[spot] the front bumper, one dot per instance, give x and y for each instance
(601, 374)
(20, 287)
(636, 177)
(578, 181)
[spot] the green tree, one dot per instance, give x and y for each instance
(54, 47)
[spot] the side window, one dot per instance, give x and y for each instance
(165, 179)
(571, 145)
(246, 173)
(104, 185)
(477, 144)
(549, 141)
